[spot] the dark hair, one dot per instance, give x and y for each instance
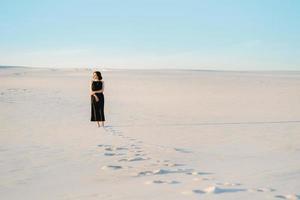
(98, 75)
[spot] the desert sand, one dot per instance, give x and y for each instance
(169, 134)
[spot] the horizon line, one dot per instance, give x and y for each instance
(153, 69)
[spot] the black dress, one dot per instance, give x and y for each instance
(97, 107)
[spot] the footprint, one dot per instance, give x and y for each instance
(135, 146)
(229, 184)
(181, 150)
(113, 154)
(161, 182)
(109, 154)
(163, 161)
(198, 173)
(288, 196)
(218, 190)
(108, 149)
(162, 172)
(198, 191)
(104, 145)
(133, 159)
(173, 164)
(203, 178)
(140, 154)
(145, 173)
(114, 167)
(112, 148)
(261, 189)
(166, 171)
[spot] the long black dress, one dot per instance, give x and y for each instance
(97, 107)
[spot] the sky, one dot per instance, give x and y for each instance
(186, 34)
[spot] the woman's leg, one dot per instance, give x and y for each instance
(102, 109)
(98, 123)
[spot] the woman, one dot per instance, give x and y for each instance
(97, 98)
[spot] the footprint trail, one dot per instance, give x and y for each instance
(166, 172)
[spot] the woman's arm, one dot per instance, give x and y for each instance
(99, 91)
(91, 90)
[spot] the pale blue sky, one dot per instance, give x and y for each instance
(196, 34)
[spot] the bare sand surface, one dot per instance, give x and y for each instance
(170, 134)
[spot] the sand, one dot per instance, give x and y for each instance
(169, 134)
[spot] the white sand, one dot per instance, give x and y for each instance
(169, 135)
